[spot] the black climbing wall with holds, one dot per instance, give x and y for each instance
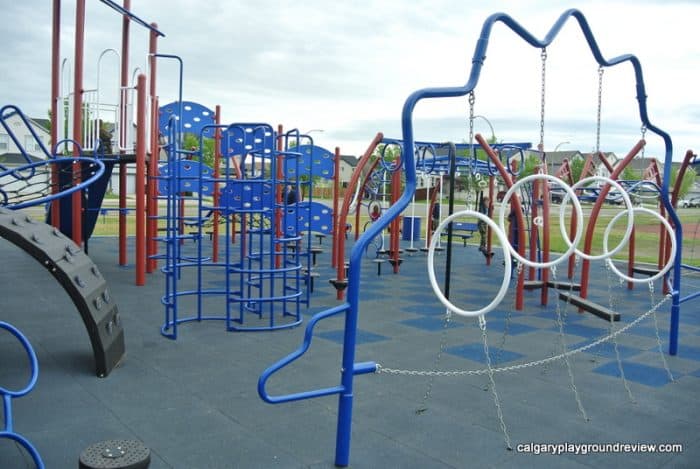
(79, 276)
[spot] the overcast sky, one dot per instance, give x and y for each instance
(347, 67)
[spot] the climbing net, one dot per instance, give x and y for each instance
(43, 181)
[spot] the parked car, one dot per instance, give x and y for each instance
(689, 203)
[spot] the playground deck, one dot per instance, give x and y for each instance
(194, 402)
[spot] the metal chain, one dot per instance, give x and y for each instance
(496, 399)
(472, 100)
(644, 132)
(543, 56)
(443, 343)
(600, 105)
(564, 348)
(658, 337)
(506, 327)
(611, 328)
(503, 369)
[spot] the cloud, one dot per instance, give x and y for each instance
(348, 67)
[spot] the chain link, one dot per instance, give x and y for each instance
(496, 399)
(611, 328)
(543, 56)
(472, 100)
(443, 343)
(644, 132)
(600, 105)
(520, 366)
(658, 337)
(564, 348)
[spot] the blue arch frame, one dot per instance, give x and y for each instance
(349, 368)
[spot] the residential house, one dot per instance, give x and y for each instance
(348, 163)
(17, 189)
(24, 137)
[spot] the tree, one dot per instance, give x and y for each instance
(576, 165)
(207, 153)
(687, 182)
(532, 163)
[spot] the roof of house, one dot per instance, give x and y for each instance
(349, 159)
(17, 159)
(640, 164)
(557, 157)
(45, 123)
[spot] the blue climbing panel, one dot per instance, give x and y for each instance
(194, 118)
(244, 139)
(247, 195)
(308, 216)
(313, 161)
(183, 176)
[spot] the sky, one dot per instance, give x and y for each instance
(343, 70)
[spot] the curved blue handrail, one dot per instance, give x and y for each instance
(8, 395)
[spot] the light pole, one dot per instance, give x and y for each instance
(493, 134)
(560, 144)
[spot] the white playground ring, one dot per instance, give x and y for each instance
(579, 213)
(630, 219)
(431, 265)
(671, 257)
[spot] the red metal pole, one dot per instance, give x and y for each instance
(534, 230)
(339, 230)
(141, 144)
(279, 191)
(123, 122)
(360, 193)
(152, 172)
(55, 120)
(545, 239)
(76, 198)
(433, 197)
(396, 222)
(343, 217)
(517, 208)
(586, 264)
(217, 163)
(489, 209)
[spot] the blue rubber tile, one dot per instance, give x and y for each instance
(646, 331)
(430, 323)
(690, 318)
(475, 352)
(689, 352)
(582, 331)
(432, 310)
(513, 328)
(607, 350)
(642, 374)
(571, 315)
(363, 337)
(426, 297)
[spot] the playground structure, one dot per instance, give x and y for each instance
(267, 272)
(350, 309)
(264, 282)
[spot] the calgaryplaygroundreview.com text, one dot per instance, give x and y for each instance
(591, 448)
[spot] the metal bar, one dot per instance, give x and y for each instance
(124, 11)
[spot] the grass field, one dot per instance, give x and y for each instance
(646, 230)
